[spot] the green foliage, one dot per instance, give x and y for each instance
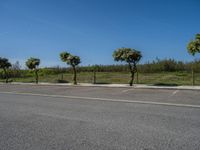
(51, 71)
(64, 56)
(5, 64)
(180, 78)
(129, 55)
(194, 45)
(165, 65)
(156, 66)
(102, 68)
(33, 63)
(71, 60)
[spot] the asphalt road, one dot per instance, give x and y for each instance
(90, 118)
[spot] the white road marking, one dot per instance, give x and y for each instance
(175, 92)
(124, 91)
(105, 99)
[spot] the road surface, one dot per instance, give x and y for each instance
(98, 118)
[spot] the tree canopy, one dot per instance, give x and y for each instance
(70, 59)
(33, 63)
(194, 45)
(4, 63)
(128, 55)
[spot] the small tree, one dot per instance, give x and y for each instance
(71, 60)
(194, 45)
(193, 48)
(5, 64)
(131, 56)
(33, 63)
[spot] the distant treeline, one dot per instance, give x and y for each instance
(166, 65)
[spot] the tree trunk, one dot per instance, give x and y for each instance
(132, 74)
(132, 78)
(74, 79)
(6, 75)
(36, 76)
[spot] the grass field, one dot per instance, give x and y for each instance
(164, 78)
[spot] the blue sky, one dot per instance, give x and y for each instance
(93, 29)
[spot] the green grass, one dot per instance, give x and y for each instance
(164, 78)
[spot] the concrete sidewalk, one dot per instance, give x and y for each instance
(138, 86)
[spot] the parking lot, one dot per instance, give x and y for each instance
(77, 117)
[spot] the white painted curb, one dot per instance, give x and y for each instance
(137, 86)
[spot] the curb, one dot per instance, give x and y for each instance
(136, 86)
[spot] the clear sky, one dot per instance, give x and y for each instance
(93, 29)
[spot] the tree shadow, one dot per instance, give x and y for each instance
(102, 83)
(165, 84)
(61, 81)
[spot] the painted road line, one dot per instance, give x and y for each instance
(104, 99)
(174, 93)
(124, 91)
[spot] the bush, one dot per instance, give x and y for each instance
(156, 66)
